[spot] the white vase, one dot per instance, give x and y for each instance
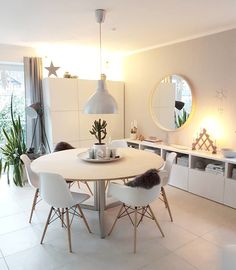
(24, 176)
(99, 150)
(133, 136)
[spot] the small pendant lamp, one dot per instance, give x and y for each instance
(101, 102)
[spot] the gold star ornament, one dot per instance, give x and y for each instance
(52, 70)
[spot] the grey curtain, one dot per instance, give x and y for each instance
(33, 93)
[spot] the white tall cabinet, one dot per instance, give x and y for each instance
(64, 100)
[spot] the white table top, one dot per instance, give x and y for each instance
(66, 163)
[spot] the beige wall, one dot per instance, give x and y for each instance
(209, 64)
(10, 53)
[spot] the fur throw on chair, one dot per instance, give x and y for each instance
(63, 146)
(147, 180)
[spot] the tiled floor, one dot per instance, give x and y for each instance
(193, 241)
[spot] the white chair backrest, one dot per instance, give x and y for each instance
(55, 191)
(119, 143)
(164, 173)
(32, 177)
(169, 162)
(133, 196)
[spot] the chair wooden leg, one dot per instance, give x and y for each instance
(166, 202)
(116, 219)
(158, 225)
(62, 216)
(36, 194)
(88, 187)
(68, 229)
(106, 185)
(46, 225)
(135, 228)
(85, 221)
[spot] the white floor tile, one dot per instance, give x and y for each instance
(193, 241)
(3, 265)
(40, 257)
(19, 240)
(201, 254)
(222, 236)
(175, 236)
(170, 262)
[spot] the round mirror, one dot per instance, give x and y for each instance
(171, 102)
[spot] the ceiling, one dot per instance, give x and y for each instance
(130, 25)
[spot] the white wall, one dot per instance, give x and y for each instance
(10, 53)
(209, 63)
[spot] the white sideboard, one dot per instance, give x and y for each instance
(216, 186)
(64, 100)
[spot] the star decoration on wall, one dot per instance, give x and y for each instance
(52, 70)
(220, 94)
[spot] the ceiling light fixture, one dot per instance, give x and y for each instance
(101, 102)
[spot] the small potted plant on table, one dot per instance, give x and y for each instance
(100, 132)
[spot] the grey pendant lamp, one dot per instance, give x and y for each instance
(101, 102)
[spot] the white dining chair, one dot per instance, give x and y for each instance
(33, 180)
(135, 200)
(165, 178)
(62, 146)
(119, 144)
(56, 193)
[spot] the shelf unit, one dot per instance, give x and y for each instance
(191, 173)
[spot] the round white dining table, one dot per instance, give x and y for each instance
(70, 165)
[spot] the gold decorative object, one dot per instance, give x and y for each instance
(203, 142)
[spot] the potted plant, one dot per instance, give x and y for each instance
(12, 150)
(100, 132)
(181, 119)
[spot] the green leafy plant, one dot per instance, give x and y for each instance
(99, 130)
(12, 150)
(181, 119)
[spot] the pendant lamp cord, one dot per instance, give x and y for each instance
(100, 45)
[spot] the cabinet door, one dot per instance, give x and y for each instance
(179, 176)
(64, 100)
(206, 184)
(230, 192)
(60, 94)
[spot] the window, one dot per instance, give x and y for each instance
(11, 83)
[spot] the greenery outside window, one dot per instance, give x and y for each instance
(11, 82)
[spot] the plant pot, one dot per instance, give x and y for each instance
(99, 150)
(24, 176)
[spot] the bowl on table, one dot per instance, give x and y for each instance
(228, 153)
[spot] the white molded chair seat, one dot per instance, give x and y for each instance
(56, 193)
(33, 180)
(119, 143)
(165, 178)
(134, 200)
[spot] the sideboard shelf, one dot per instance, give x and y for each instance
(192, 171)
